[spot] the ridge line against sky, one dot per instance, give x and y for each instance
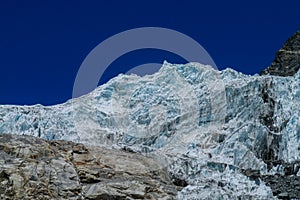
(42, 44)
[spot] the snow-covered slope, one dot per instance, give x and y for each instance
(207, 126)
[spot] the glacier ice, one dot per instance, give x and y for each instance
(206, 125)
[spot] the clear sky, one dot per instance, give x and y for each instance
(43, 43)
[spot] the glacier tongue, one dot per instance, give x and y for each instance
(208, 126)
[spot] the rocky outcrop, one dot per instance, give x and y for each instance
(287, 60)
(33, 168)
(285, 185)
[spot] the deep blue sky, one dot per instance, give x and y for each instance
(43, 43)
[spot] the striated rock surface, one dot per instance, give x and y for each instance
(33, 168)
(287, 60)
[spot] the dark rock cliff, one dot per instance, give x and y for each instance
(287, 59)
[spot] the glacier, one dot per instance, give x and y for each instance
(208, 127)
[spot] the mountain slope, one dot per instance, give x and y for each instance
(206, 126)
(219, 134)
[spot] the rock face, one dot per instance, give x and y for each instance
(287, 60)
(32, 168)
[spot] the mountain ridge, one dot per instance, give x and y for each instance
(218, 134)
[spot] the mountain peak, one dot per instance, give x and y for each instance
(287, 59)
